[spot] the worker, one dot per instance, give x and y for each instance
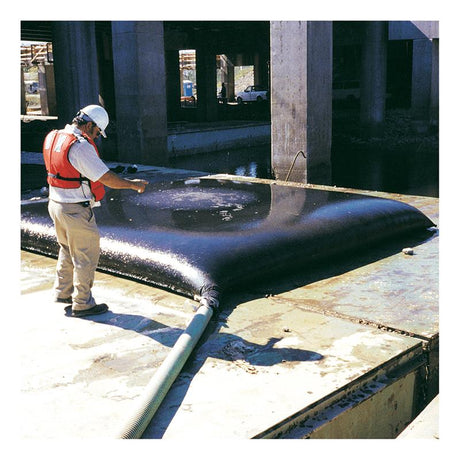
(76, 178)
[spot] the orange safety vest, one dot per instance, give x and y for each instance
(60, 171)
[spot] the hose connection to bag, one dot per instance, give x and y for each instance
(209, 296)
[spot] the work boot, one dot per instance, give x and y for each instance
(66, 300)
(96, 310)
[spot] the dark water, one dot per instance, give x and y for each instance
(406, 171)
(250, 162)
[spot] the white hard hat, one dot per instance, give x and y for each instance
(98, 115)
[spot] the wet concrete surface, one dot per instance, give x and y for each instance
(270, 352)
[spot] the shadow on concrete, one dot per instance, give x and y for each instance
(161, 333)
(229, 347)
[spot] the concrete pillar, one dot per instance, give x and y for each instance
(434, 99)
(173, 84)
(75, 67)
(140, 88)
(422, 55)
(373, 77)
(206, 77)
(261, 70)
(230, 80)
(23, 94)
(258, 71)
(47, 90)
(226, 68)
(42, 90)
(301, 100)
(425, 68)
(51, 89)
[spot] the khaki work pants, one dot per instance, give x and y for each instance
(78, 238)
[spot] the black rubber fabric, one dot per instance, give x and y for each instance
(194, 234)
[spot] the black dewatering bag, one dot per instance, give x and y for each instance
(199, 235)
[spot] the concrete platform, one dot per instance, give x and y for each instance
(348, 351)
(80, 376)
